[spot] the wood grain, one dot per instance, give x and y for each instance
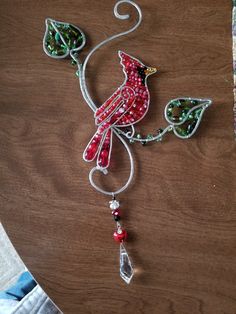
(180, 211)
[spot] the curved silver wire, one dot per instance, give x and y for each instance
(85, 91)
(105, 171)
(81, 83)
(157, 138)
(130, 134)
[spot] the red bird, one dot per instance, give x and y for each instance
(127, 106)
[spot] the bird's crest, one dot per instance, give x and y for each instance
(128, 61)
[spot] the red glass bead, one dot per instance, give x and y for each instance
(120, 235)
(116, 212)
(103, 159)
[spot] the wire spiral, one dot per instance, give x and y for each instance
(87, 96)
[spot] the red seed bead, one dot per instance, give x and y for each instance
(116, 212)
(104, 153)
(120, 235)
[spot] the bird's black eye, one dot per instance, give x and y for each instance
(141, 72)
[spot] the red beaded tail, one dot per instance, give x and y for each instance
(93, 146)
(103, 159)
(100, 145)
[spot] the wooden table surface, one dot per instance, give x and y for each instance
(179, 212)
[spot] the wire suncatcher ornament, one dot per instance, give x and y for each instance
(120, 112)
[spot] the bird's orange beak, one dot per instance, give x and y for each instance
(150, 71)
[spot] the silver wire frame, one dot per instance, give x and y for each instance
(130, 135)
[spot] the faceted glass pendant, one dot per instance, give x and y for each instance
(126, 269)
(185, 115)
(62, 38)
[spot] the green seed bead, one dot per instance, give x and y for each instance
(57, 37)
(149, 136)
(197, 113)
(176, 103)
(181, 131)
(191, 126)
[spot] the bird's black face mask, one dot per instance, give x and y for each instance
(142, 73)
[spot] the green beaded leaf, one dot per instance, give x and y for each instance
(62, 38)
(185, 115)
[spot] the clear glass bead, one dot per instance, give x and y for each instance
(114, 204)
(126, 269)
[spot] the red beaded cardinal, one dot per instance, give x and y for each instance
(127, 106)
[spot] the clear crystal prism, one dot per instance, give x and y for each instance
(126, 269)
